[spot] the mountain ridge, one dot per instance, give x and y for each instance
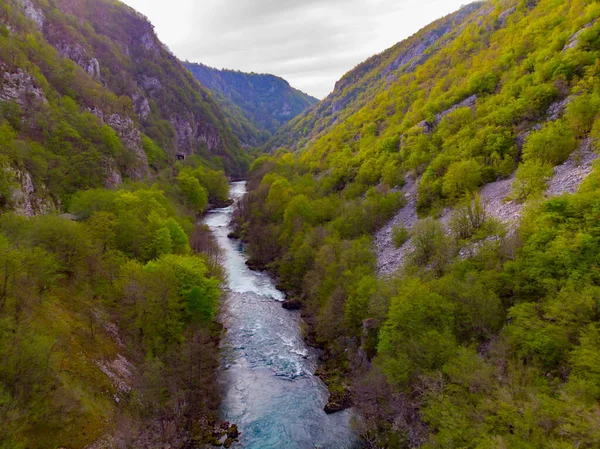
(258, 104)
(361, 84)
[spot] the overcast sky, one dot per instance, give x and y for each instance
(310, 43)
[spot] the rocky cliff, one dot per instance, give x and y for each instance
(87, 88)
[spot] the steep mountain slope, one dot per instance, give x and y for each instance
(107, 331)
(372, 77)
(471, 319)
(257, 105)
(96, 95)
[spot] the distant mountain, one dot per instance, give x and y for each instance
(257, 105)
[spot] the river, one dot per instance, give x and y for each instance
(270, 390)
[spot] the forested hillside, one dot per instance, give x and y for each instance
(372, 77)
(256, 105)
(487, 333)
(90, 96)
(109, 151)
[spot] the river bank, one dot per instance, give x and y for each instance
(270, 389)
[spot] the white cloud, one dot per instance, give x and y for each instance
(311, 43)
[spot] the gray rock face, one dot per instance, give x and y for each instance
(389, 258)
(413, 56)
(557, 109)
(567, 178)
(574, 40)
(502, 18)
(189, 135)
(141, 105)
(149, 42)
(131, 138)
(149, 83)
(28, 200)
(416, 54)
(286, 111)
(19, 86)
(468, 102)
(494, 197)
(79, 55)
(522, 137)
(31, 12)
(111, 174)
(93, 68)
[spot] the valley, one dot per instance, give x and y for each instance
(195, 258)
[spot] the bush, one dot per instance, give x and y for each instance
(400, 235)
(553, 144)
(531, 180)
(431, 246)
(462, 177)
(468, 218)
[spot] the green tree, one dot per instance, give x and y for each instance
(194, 193)
(551, 145)
(531, 179)
(163, 243)
(461, 178)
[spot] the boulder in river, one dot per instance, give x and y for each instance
(292, 304)
(334, 407)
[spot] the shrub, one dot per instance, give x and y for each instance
(468, 219)
(400, 235)
(462, 177)
(430, 243)
(531, 179)
(553, 144)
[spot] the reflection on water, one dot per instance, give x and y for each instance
(270, 390)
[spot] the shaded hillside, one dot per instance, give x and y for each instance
(257, 105)
(436, 218)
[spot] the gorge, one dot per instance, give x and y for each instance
(433, 223)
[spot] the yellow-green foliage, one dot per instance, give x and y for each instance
(127, 261)
(58, 139)
(515, 77)
(496, 350)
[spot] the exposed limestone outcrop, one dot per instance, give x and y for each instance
(19, 86)
(502, 18)
(417, 54)
(112, 175)
(413, 56)
(567, 178)
(574, 40)
(428, 127)
(389, 258)
(79, 55)
(149, 83)
(33, 13)
(141, 105)
(189, 135)
(557, 109)
(131, 137)
(29, 200)
(119, 371)
(150, 43)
